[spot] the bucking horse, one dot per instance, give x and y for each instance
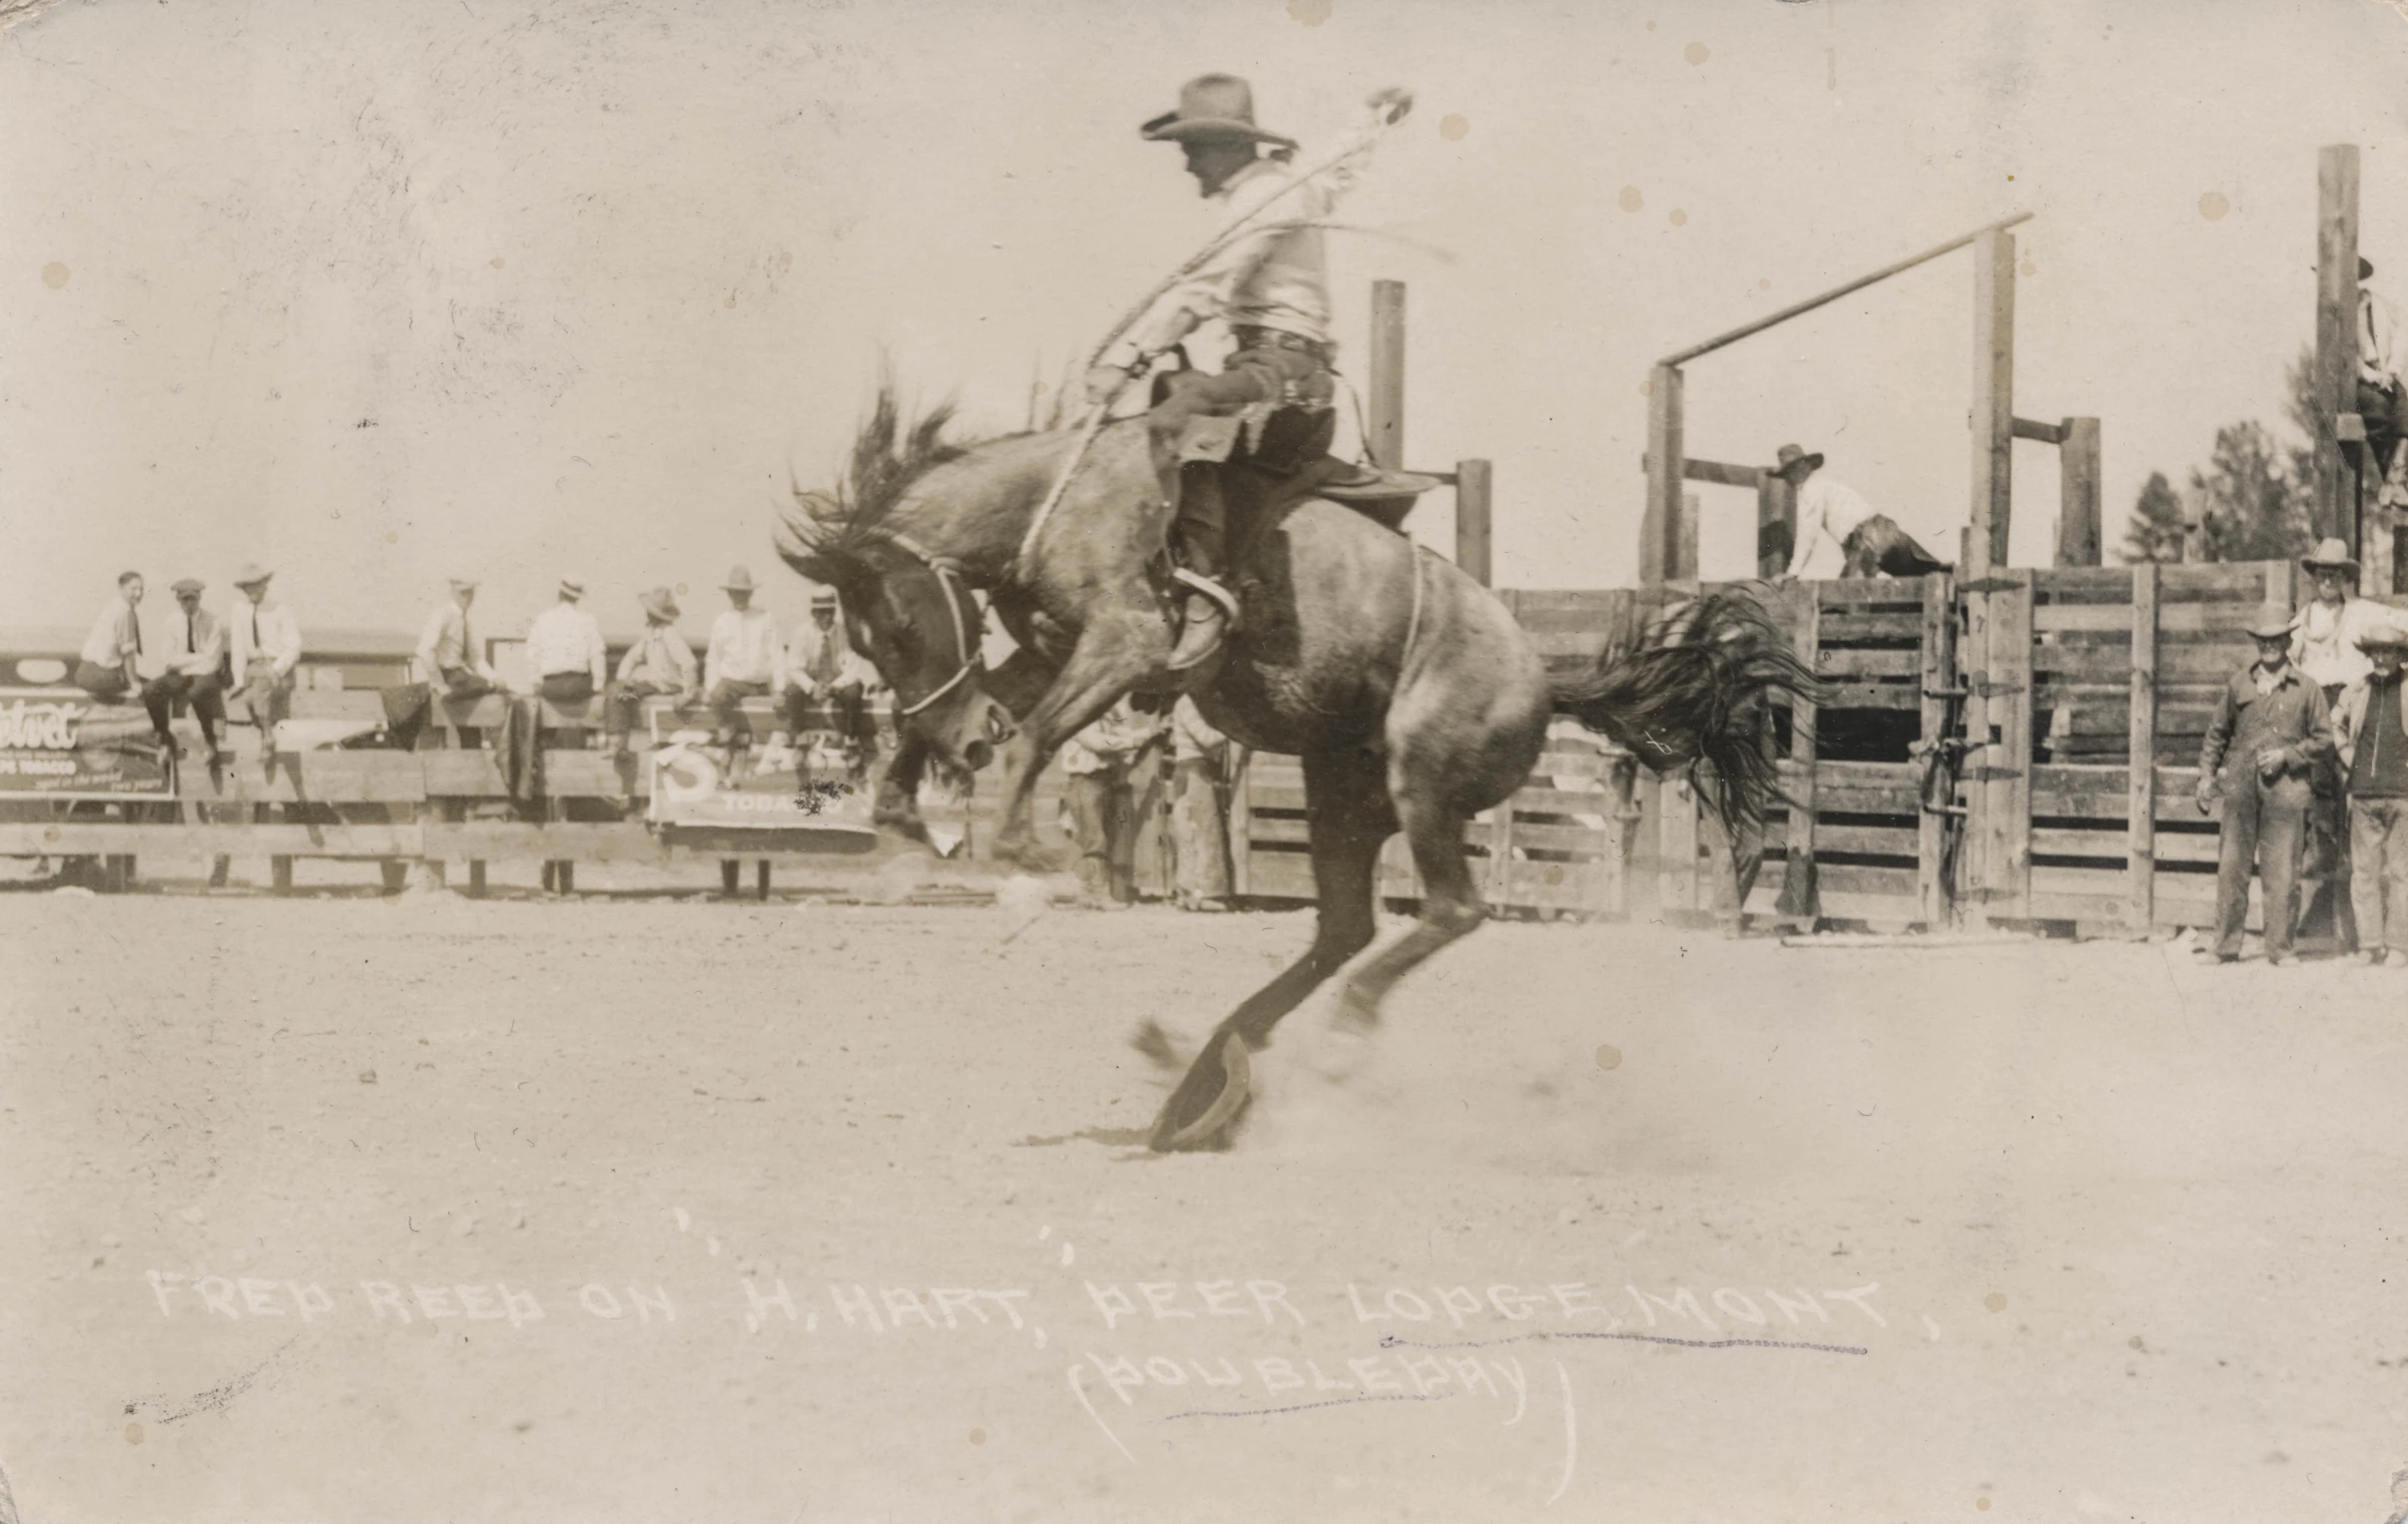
(1409, 692)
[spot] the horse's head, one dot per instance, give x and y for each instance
(912, 616)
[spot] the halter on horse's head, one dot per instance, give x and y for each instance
(905, 608)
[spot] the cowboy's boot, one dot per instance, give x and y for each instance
(1209, 607)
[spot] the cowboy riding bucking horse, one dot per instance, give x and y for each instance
(1272, 407)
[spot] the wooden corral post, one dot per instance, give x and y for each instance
(2077, 499)
(1385, 406)
(1684, 560)
(1659, 524)
(2002, 798)
(1777, 523)
(2141, 834)
(1472, 524)
(1801, 895)
(1939, 645)
(2335, 506)
(1993, 412)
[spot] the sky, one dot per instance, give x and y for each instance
(375, 293)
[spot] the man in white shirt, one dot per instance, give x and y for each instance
(267, 646)
(1870, 542)
(1270, 286)
(448, 655)
(105, 667)
(2381, 402)
(564, 649)
(2325, 648)
(823, 667)
(659, 665)
(745, 660)
(196, 662)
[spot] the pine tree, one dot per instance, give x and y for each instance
(2248, 504)
(2155, 530)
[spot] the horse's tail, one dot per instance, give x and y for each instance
(1696, 687)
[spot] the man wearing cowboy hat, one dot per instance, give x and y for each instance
(564, 649)
(659, 665)
(1869, 542)
(2274, 724)
(745, 660)
(2324, 646)
(1271, 287)
(823, 667)
(265, 647)
(195, 672)
(2381, 402)
(2370, 733)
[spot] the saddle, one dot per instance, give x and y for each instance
(1384, 497)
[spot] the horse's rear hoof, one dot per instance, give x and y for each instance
(1204, 1109)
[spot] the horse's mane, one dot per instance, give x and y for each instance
(890, 451)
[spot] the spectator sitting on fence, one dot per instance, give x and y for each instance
(564, 649)
(2274, 724)
(659, 665)
(451, 665)
(2382, 404)
(1869, 542)
(745, 659)
(823, 667)
(105, 669)
(265, 648)
(196, 673)
(2370, 733)
(1099, 768)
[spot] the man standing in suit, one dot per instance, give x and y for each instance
(2274, 725)
(196, 672)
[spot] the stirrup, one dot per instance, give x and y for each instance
(1199, 583)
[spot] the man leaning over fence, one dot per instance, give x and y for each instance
(265, 649)
(2272, 725)
(2370, 730)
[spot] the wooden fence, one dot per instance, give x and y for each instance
(2021, 749)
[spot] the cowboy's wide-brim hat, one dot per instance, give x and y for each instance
(1791, 459)
(660, 603)
(2270, 620)
(251, 575)
(739, 581)
(2331, 553)
(2384, 638)
(1212, 105)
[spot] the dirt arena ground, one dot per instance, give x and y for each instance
(643, 1209)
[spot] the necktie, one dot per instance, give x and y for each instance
(136, 624)
(254, 629)
(188, 647)
(468, 644)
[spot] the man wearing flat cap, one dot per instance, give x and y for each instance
(659, 665)
(2272, 725)
(564, 649)
(1271, 405)
(195, 663)
(265, 647)
(2370, 730)
(1870, 542)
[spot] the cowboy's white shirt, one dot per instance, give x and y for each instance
(1271, 277)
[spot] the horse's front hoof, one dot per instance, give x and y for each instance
(1203, 1111)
